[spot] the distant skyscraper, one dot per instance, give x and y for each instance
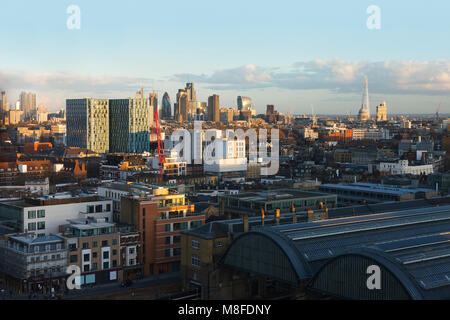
(270, 109)
(88, 124)
(153, 105)
(382, 112)
(3, 103)
(28, 104)
(213, 108)
(186, 105)
(364, 112)
(166, 111)
(244, 103)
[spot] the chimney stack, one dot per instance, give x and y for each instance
(245, 220)
(294, 217)
(262, 217)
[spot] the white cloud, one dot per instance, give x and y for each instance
(388, 77)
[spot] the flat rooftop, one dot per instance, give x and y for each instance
(275, 195)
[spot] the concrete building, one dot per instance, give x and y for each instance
(33, 264)
(88, 124)
(403, 167)
(253, 202)
(94, 246)
(374, 193)
(159, 218)
(213, 108)
(382, 112)
(44, 215)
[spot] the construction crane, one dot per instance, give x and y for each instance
(156, 130)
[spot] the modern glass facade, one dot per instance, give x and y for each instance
(88, 124)
(129, 120)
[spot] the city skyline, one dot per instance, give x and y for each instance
(309, 54)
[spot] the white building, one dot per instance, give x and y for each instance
(44, 215)
(403, 167)
(309, 134)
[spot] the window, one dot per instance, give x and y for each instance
(108, 207)
(131, 262)
(168, 227)
(195, 260)
(219, 244)
(72, 247)
(85, 245)
(106, 255)
(167, 252)
(195, 224)
(94, 255)
(104, 243)
(90, 209)
(87, 257)
(74, 258)
(41, 225)
(94, 244)
(167, 240)
(114, 263)
(41, 214)
(105, 265)
(176, 239)
(86, 268)
(98, 208)
(114, 252)
(131, 251)
(114, 242)
(32, 226)
(195, 244)
(32, 214)
(94, 266)
(176, 252)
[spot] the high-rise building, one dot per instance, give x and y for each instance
(213, 108)
(364, 112)
(88, 124)
(129, 123)
(153, 105)
(166, 111)
(244, 103)
(382, 112)
(28, 104)
(3, 103)
(270, 109)
(186, 105)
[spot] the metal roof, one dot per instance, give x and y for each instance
(416, 243)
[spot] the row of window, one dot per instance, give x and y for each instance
(174, 252)
(178, 226)
(45, 258)
(32, 214)
(87, 268)
(40, 226)
(87, 256)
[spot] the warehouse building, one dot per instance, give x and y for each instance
(331, 258)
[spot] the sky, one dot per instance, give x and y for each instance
(293, 54)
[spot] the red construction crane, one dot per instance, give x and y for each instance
(156, 130)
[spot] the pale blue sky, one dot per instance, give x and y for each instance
(288, 53)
